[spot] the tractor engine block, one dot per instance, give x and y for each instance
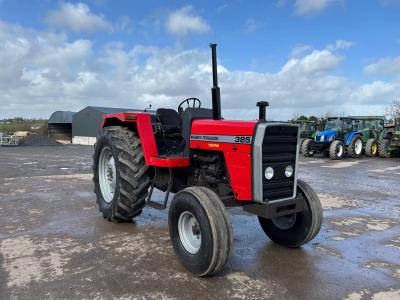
(210, 171)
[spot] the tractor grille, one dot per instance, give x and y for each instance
(279, 149)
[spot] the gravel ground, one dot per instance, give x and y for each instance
(55, 244)
(35, 140)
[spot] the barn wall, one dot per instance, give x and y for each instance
(87, 122)
(84, 140)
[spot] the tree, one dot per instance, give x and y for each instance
(393, 110)
(302, 118)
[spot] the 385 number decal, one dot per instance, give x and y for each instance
(243, 139)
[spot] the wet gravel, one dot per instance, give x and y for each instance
(55, 244)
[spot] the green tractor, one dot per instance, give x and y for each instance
(372, 130)
(390, 142)
(307, 130)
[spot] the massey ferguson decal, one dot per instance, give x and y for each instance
(221, 139)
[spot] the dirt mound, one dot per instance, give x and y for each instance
(34, 140)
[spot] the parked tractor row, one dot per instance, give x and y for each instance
(352, 136)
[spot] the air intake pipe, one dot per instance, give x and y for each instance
(262, 115)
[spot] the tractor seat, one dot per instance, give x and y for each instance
(170, 120)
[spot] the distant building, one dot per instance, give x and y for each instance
(80, 127)
(86, 123)
(60, 126)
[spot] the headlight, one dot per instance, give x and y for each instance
(322, 138)
(332, 138)
(288, 171)
(269, 173)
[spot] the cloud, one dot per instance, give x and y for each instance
(41, 72)
(340, 44)
(251, 25)
(183, 21)
(310, 7)
(384, 66)
(78, 18)
(390, 2)
(300, 50)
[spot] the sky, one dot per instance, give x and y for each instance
(311, 57)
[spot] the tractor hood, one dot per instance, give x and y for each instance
(396, 138)
(325, 136)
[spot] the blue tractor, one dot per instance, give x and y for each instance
(340, 136)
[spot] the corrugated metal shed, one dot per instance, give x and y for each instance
(86, 123)
(61, 117)
(60, 126)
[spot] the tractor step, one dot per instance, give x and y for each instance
(158, 205)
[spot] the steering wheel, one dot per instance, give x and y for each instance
(189, 102)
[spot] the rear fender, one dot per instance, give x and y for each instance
(140, 123)
(351, 135)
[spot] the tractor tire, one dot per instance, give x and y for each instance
(371, 148)
(121, 178)
(383, 148)
(336, 150)
(355, 148)
(200, 230)
(306, 148)
(299, 228)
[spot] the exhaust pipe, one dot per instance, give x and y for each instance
(215, 91)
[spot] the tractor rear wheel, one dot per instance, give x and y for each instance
(200, 230)
(120, 179)
(384, 148)
(306, 148)
(299, 228)
(336, 150)
(371, 148)
(355, 147)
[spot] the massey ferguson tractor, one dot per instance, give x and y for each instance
(209, 164)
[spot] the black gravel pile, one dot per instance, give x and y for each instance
(34, 140)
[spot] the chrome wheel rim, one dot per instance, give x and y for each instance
(358, 146)
(340, 151)
(189, 232)
(107, 174)
(284, 222)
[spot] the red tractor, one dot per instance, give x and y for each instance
(210, 164)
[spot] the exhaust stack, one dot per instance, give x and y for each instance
(215, 91)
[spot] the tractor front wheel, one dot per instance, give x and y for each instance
(355, 147)
(384, 148)
(371, 148)
(336, 150)
(299, 228)
(200, 230)
(306, 148)
(120, 179)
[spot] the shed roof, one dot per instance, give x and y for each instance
(61, 117)
(108, 110)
